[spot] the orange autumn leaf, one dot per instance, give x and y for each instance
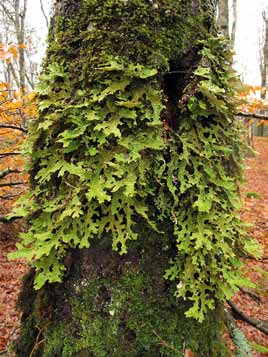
(261, 122)
(251, 101)
(13, 50)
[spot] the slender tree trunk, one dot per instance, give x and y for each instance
(14, 13)
(120, 71)
(44, 13)
(20, 13)
(264, 69)
(234, 24)
(223, 17)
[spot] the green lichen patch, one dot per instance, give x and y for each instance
(115, 147)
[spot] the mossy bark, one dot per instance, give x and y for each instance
(107, 304)
(114, 306)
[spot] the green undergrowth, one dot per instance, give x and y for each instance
(113, 146)
(241, 343)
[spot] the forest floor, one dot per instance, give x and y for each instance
(10, 280)
(255, 211)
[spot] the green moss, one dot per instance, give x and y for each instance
(140, 31)
(118, 307)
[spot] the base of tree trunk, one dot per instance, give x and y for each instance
(113, 306)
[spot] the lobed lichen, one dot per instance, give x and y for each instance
(136, 142)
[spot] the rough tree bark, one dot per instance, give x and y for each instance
(107, 304)
(223, 17)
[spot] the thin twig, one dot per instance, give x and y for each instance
(6, 126)
(8, 171)
(251, 294)
(5, 154)
(44, 13)
(252, 115)
(166, 344)
(8, 197)
(8, 184)
(38, 343)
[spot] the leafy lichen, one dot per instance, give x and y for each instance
(113, 146)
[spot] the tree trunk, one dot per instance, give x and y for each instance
(19, 17)
(223, 17)
(114, 95)
(264, 69)
(264, 65)
(234, 24)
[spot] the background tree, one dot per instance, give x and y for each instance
(234, 22)
(135, 158)
(223, 17)
(263, 68)
(24, 70)
(16, 108)
(44, 13)
(264, 59)
(19, 75)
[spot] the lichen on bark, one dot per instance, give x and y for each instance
(133, 96)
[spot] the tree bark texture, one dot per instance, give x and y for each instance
(223, 17)
(107, 304)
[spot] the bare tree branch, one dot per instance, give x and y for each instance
(8, 197)
(7, 12)
(30, 82)
(251, 294)
(44, 13)
(6, 126)
(6, 154)
(8, 171)
(260, 325)
(9, 184)
(263, 258)
(14, 74)
(252, 115)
